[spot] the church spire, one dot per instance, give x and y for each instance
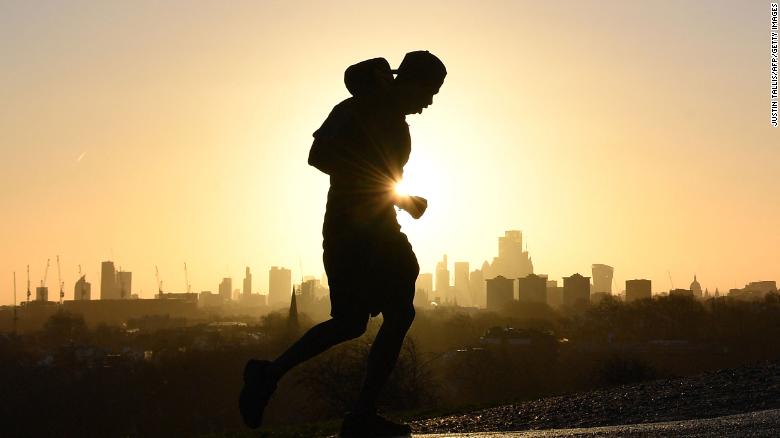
(292, 319)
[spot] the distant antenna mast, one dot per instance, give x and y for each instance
(670, 279)
(59, 280)
(15, 317)
(28, 284)
(159, 282)
(186, 278)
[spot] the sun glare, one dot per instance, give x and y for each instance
(401, 189)
(421, 178)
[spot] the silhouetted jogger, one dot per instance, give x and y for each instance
(363, 146)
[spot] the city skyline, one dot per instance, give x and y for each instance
(508, 263)
(187, 142)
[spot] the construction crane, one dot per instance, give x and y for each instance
(59, 280)
(159, 282)
(28, 284)
(46, 273)
(186, 278)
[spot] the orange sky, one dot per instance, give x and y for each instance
(626, 133)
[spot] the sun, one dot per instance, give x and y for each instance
(419, 182)
(401, 188)
(421, 178)
(413, 186)
(424, 176)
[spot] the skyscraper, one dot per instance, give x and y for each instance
(532, 289)
(108, 289)
(576, 290)
(442, 279)
(554, 294)
(424, 282)
(461, 281)
(82, 290)
(225, 289)
(477, 288)
(602, 278)
(42, 293)
(500, 292)
(638, 290)
(247, 283)
(124, 285)
(279, 286)
(423, 290)
(512, 261)
(510, 247)
(308, 293)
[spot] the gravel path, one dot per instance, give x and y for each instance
(753, 424)
(710, 395)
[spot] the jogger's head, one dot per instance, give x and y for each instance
(418, 79)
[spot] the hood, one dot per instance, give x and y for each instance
(368, 77)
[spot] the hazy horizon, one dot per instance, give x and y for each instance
(631, 134)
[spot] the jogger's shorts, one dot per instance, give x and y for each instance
(369, 273)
